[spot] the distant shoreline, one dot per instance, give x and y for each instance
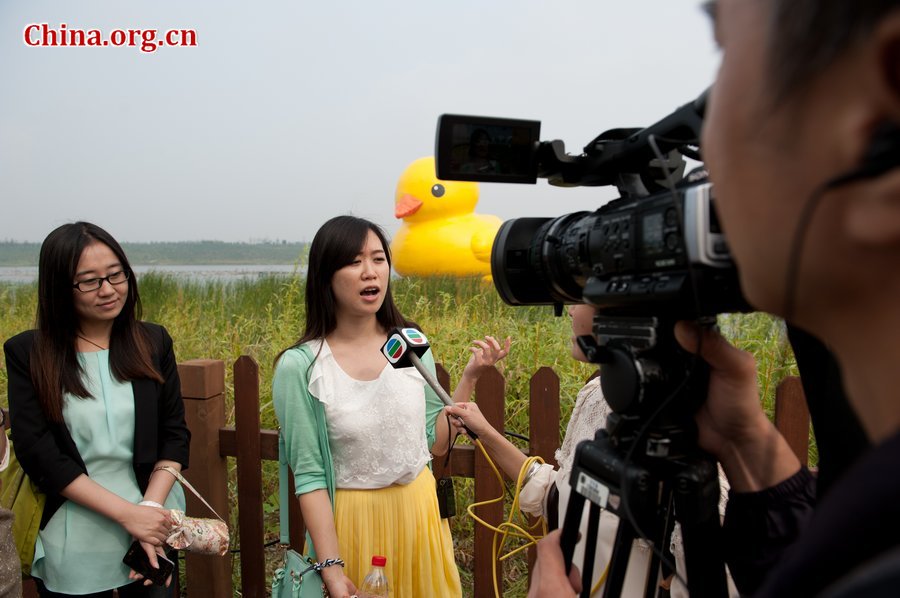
(194, 273)
(182, 253)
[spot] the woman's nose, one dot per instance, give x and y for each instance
(106, 287)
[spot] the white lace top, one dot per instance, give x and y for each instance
(376, 428)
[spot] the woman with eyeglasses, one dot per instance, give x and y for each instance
(95, 410)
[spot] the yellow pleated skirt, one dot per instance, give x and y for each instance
(403, 524)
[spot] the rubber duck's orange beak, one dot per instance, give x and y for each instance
(407, 206)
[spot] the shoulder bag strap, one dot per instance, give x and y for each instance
(187, 485)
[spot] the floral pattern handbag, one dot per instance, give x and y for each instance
(195, 534)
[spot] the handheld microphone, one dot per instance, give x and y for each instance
(403, 349)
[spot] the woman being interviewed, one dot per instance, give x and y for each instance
(95, 408)
(380, 423)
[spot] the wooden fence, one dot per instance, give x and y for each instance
(203, 389)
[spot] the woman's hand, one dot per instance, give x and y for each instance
(485, 354)
(468, 415)
(152, 553)
(150, 525)
(549, 579)
(338, 584)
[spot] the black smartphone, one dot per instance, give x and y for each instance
(139, 562)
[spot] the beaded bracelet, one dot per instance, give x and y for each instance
(327, 563)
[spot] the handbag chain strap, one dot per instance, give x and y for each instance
(187, 484)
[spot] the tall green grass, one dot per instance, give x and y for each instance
(260, 317)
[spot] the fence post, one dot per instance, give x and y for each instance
(203, 391)
(490, 395)
(792, 416)
(249, 477)
(543, 426)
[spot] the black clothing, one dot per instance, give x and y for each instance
(46, 449)
(856, 523)
(760, 526)
(778, 541)
(879, 578)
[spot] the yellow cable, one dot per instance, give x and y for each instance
(508, 528)
(602, 579)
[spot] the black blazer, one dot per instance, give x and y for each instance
(46, 449)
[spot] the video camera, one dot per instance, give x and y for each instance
(656, 254)
(652, 257)
(658, 250)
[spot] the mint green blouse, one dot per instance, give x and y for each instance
(80, 551)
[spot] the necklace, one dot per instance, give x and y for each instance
(87, 340)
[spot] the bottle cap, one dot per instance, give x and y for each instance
(379, 561)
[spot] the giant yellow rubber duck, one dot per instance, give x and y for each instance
(441, 233)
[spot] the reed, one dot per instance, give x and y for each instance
(260, 317)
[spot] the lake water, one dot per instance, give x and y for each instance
(28, 274)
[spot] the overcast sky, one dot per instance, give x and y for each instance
(288, 112)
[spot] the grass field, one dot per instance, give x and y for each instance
(262, 316)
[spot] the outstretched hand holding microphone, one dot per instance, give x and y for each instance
(405, 346)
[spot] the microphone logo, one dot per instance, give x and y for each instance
(415, 337)
(394, 348)
(403, 345)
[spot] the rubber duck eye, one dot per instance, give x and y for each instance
(437, 190)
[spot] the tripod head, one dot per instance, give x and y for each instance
(653, 386)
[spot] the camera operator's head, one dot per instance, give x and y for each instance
(804, 94)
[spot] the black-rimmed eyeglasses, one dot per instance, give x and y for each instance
(92, 284)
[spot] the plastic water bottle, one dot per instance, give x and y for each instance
(375, 585)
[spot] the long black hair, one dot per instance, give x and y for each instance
(336, 244)
(55, 368)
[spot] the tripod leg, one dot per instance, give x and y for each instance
(697, 509)
(618, 565)
(656, 572)
(705, 567)
(570, 528)
(590, 550)
(660, 535)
